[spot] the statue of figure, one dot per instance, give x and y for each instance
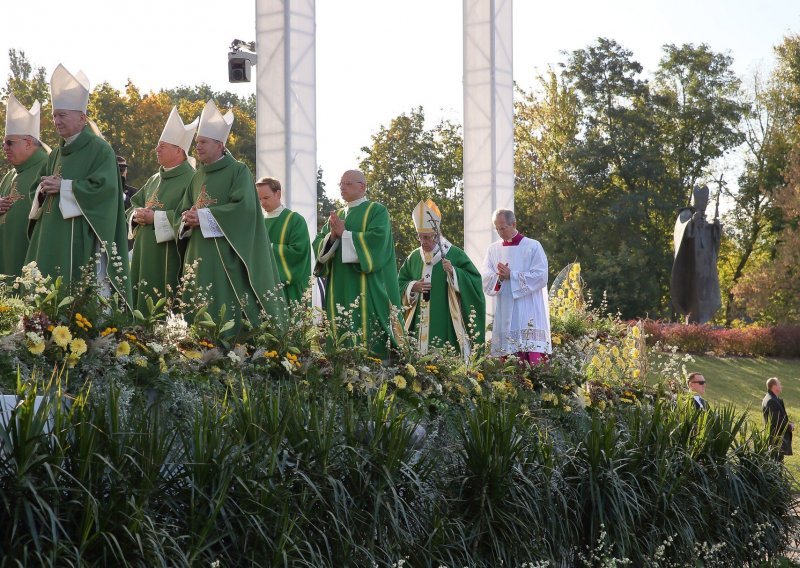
(694, 286)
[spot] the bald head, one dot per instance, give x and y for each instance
(353, 185)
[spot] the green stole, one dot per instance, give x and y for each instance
(155, 267)
(291, 245)
(371, 282)
(63, 246)
(239, 268)
(450, 313)
(20, 185)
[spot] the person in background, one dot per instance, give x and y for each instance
(776, 419)
(697, 385)
(288, 234)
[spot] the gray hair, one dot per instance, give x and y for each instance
(507, 215)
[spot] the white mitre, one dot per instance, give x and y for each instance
(68, 91)
(213, 124)
(21, 121)
(425, 215)
(177, 133)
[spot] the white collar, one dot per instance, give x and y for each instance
(356, 202)
(71, 139)
(275, 212)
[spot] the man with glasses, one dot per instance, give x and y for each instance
(697, 384)
(355, 252)
(25, 153)
(77, 212)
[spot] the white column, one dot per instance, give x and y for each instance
(286, 104)
(488, 121)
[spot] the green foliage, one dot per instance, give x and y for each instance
(407, 163)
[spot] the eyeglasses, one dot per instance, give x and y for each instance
(10, 142)
(698, 382)
(344, 183)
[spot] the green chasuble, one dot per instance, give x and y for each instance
(19, 184)
(63, 246)
(291, 246)
(449, 309)
(371, 282)
(155, 266)
(238, 268)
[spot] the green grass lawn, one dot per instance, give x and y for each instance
(742, 381)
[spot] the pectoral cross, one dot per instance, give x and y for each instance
(152, 201)
(204, 200)
(14, 196)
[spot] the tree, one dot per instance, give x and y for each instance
(698, 110)
(622, 217)
(407, 163)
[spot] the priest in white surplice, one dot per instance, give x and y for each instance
(515, 272)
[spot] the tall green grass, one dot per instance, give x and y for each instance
(285, 473)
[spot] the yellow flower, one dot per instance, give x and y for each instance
(36, 348)
(556, 339)
(400, 381)
(62, 336)
(634, 353)
(480, 377)
(601, 405)
(596, 362)
(192, 354)
(416, 387)
(615, 351)
(571, 295)
(635, 331)
(123, 349)
(72, 360)
(560, 293)
(142, 361)
(567, 408)
(411, 370)
(78, 347)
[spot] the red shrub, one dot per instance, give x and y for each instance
(752, 341)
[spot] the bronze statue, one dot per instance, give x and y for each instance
(694, 285)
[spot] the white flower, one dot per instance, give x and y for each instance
(287, 365)
(235, 358)
(156, 347)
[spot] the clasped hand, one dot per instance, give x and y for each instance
(503, 271)
(51, 184)
(191, 218)
(336, 225)
(143, 216)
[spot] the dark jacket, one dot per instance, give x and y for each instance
(777, 421)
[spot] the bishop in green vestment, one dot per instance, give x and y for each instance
(441, 289)
(288, 234)
(78, 208)
(355, 252)
(25, 153)
(153, 216)
(226, 237)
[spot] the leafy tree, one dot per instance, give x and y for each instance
(623, 218)
(697, 109)
(407, 163)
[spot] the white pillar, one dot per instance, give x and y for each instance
(286, 104)
(488, 121)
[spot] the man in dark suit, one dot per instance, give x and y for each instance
(697, 384)
(776, 420)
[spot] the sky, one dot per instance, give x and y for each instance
(376, 59)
